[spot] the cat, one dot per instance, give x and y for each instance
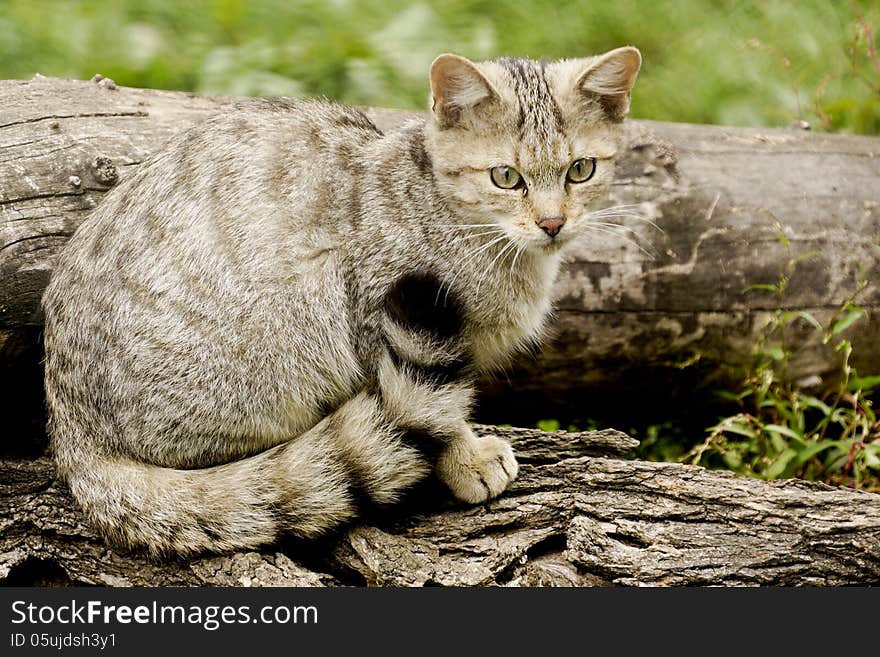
(279, 319)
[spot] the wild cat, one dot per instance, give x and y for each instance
(280, 318)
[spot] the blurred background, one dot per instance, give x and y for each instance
(706, 61)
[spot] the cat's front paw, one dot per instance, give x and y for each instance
(477, 469)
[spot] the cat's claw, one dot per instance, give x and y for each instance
(477, 469)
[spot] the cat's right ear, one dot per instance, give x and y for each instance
(610, 79)
(457, 88)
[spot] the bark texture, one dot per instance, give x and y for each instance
(578, 515)
(720, 198)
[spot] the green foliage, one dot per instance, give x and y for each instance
(548, 425)
(784, 430)
(723, 62)
(556, 425)
(666, 441)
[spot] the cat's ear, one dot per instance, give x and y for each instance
(610, 78)
(457, 87)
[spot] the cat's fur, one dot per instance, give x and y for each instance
(280, 317)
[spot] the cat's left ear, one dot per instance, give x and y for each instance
(611, 77)
(457, 88)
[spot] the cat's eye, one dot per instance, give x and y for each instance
(581, 170)
(506, 177)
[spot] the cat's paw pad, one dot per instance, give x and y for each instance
(478, 469)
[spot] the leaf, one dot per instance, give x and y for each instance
(761, 286)
(732, 460)
(548, 425)
(776, 353)
(785, 431)
(810, 255)
(811, 450)
(872, 456)
(846, 321)
(864, 383)
(778, 443)
(740, 430)
(838, 460)
(787, 413)
(813, 402)
(807, 317)
(778, 466)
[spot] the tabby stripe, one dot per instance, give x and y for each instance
(434, 375)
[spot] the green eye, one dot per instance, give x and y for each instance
(581, 170)
(505, 177)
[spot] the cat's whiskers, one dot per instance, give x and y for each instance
(474, 236)
(616, 213)
(610, 226)
(466, 258)
(623, 211)
(489, 225)
(502, 251)
(518, 253)
(486, 245)
(637, 217)
(489, 229)
(625, 206)
(629, 241)
(620, 233)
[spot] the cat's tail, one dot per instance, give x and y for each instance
(300, 488)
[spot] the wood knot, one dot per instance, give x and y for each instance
(105, 171)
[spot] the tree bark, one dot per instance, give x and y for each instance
(629, 315)
(576, 516)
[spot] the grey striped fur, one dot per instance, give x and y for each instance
(243, 338)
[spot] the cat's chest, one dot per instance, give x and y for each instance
(512, 321)
(496, 343)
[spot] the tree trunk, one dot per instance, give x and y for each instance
(629, 315)
(576, 516)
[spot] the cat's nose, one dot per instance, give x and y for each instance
(551, 225)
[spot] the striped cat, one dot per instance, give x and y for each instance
(279, 319)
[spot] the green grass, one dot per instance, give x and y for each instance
(723, 62)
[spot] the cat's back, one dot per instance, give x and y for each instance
(266, 177)
(264, 159)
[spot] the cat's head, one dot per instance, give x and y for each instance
(528, 146)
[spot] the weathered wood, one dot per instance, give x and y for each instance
(576, 516)
(720, 197)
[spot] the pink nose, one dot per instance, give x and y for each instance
(552, 225)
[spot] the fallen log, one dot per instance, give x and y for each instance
(629, 314)
(578, 515)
